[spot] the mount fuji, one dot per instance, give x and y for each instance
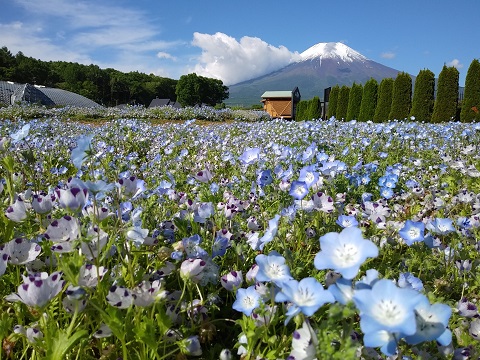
(321, 66)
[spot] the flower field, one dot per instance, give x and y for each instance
(253, 239)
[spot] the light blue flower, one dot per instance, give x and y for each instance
(432, 322)
(387, 307)
(272, 268)
(80, 152)
(247, 300)
(412, 231)
(308, 175)
(441, 226)
(383, 339)
(344, 252)
(342, 290)
(250, 156)
(407, 280)
(21, 134)
(298, 190)
(347, 221)
(269, 233)
(306, 296)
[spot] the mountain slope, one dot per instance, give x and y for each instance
(321, 66)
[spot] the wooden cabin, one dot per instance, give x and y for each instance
(281, 103)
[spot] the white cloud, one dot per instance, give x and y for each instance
(455, 63)
(388, 55)
(232, 61)
(165, 55)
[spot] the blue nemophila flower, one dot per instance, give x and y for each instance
(20, 134)
(247, 300)
(407, 280)
(103, 332)
(344, 252)
(304, 343)
(298, 190)
(191, 346)
(220, 246)
(250, 156)
(192, 247)
(386, 192)
(269, 233)
(387, 307)
(38, 289)
(272, 267)
(80, 152)
(441, 226)
(386, 341)
(306, 296)
(264, 177)
(342, 290)
(432, 321)
(347, 221)
(308, 175)
(412, 231)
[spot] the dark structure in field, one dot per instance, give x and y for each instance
(164, 102)
(12, 93)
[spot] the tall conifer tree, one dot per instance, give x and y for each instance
(423, 96)
(332, 102)
(471, 96)
(401, 97)
(445, 108)
(342, 102)
(369, 100)
(384, 102)
(354, 101)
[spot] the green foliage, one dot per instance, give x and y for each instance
(423, 96)
(192, 90)
(401, 97)
(369, 100)
(471, 99)
(445, 108)
(384, 102)
(301, 110)
(105, 86)
(354, 101)
(342, 102)
(333, 101)
(314, 108)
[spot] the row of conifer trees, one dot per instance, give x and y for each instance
(393, 98)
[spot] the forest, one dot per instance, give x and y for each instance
(108, 87)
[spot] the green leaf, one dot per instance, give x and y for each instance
(62, 343)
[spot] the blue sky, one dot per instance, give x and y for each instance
(237, 40)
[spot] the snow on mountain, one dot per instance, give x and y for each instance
(332, 50)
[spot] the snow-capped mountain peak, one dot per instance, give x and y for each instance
(332, 50)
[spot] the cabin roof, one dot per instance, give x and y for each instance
(277, 94)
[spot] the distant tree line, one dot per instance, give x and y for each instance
(110, 87)
(393, 98)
